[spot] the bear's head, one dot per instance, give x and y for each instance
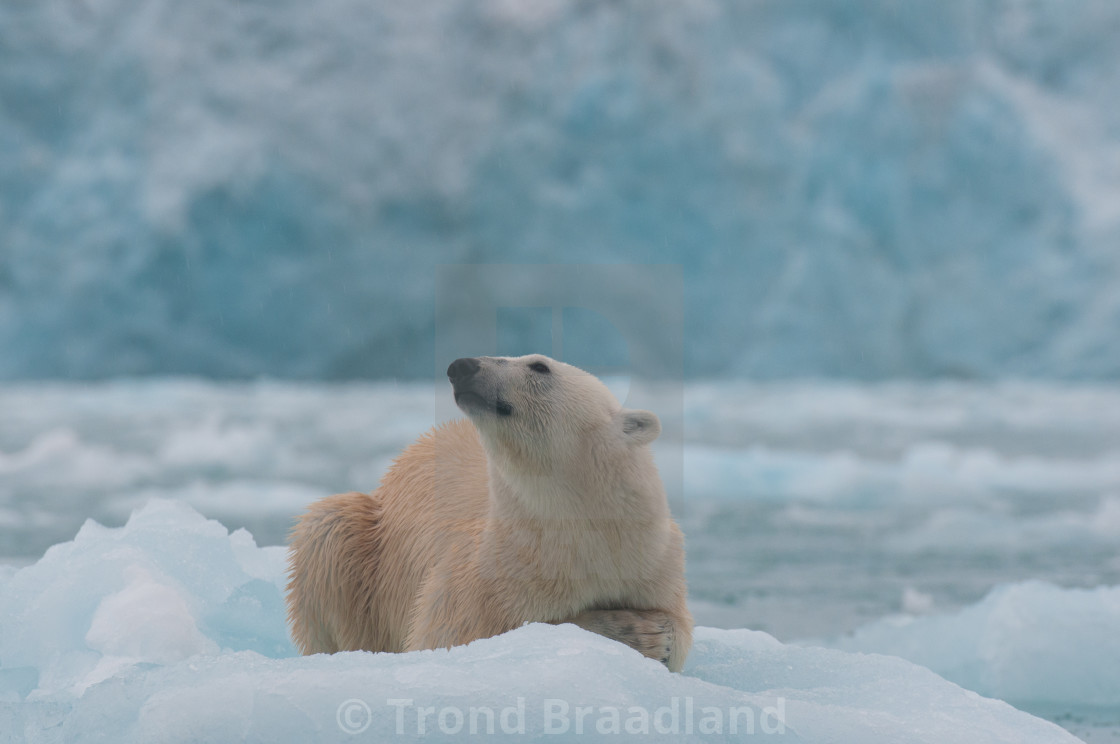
(542, 416)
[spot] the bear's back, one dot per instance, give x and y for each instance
(440, 476)
(432, 501)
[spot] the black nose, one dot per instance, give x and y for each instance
(461, 369)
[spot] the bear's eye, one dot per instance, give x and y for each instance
(540, 367)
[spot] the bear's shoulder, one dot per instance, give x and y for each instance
(450, 450)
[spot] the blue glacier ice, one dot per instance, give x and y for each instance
(172, 629)
(864, 189)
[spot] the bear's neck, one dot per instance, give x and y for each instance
(633, 492)
(589, 547)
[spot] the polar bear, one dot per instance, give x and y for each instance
(544, 506)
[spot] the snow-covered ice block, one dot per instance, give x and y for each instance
(542, 682)
(167, 586)
(1033, 643)
(172, 629)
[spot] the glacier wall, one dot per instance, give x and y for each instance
(864, 189)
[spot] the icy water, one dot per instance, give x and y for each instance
(810, 509)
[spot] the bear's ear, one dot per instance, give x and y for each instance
(639, 427)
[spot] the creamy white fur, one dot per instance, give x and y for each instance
(554, 513)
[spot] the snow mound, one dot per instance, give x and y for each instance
(1035, 644)
(167, 586)
(171, 628)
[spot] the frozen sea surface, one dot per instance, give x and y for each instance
(877, 518)
(171, 629)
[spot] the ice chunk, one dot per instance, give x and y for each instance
(147, 621)
(168, 585)
(171, 628)
(926, 472)
(546, 682)
(915, 602)
(1033, 643)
